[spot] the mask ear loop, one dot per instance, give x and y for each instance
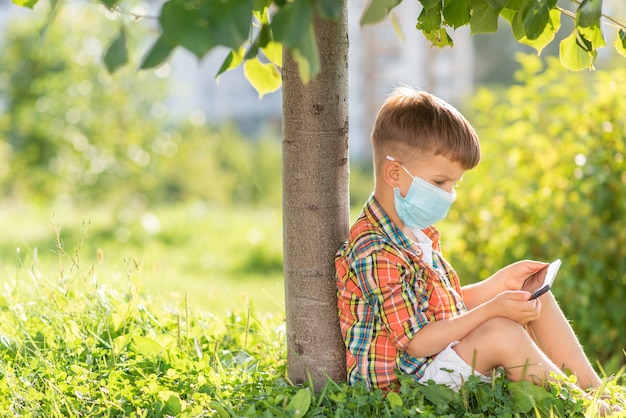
(390, 158)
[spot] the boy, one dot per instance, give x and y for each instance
(401, 305)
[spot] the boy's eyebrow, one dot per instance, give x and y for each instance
(447, 177)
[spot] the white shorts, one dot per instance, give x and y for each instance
(447, 368)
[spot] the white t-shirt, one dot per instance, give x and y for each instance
(425, 244)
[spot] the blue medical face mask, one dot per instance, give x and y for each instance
(424, 204)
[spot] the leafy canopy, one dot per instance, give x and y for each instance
(255, 31)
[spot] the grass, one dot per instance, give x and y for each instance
(81, 348)
(217, 258)
(179, 321)
(76, 347)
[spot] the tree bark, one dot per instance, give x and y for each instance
(316, 205)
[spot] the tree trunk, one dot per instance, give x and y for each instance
(316, 205)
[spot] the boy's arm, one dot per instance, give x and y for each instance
(435, 336)
(510, 277)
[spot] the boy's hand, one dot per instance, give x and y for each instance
(516, 305)
(513, 275)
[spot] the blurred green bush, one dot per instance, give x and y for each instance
(69, 131)
(552, 184)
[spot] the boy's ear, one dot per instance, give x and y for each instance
(391, 173)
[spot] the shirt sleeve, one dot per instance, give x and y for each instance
(399, 301)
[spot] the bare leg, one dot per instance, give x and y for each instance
(556, 338)
(501, 342)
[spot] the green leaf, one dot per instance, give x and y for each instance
(300, 403)
(593, 35)
(535, 17)
(262, 15)
(498, 4)
(395, 401)
(377, 11)
(122, 314)
(7, 345)
(183, 25)
(484, 18)
(307, 57)
(573, 56)
(221, 411)
(290, 23)
(526, 395)
(273, 51)
(456, 13)
(329, 9)
(109, 4)
(264, 77)
(547, 36)
(116, 54)
(516, 5)
(588, 13)
(252, 52)
(228, 21)
(583, 42)
(620, 42)
(261, 5)
(233, 60)
(263, 37)
(430, 4)
(438, 394)
(429, 20)
(200, 29)
(121, 342)
(158, 54)
(512, 16)
(25, 3)
(173, 405)
(145, 346)
(439, 38)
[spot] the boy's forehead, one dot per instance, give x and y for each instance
(423, 157)
(439, 165)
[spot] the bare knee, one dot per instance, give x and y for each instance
(498, 333)
(487, 346)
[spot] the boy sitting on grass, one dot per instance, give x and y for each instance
(401, 305)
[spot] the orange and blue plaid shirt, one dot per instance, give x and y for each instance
(386, 293)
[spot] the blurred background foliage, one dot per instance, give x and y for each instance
(196, 206)
(73, 132)
(552, 184)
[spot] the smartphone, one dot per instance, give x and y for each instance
(541, 281)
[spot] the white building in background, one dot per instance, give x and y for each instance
(379, 61)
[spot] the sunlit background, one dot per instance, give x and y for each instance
(170, 179)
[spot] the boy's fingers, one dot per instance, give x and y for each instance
(538, 305)
(521, 295)
(534, 266)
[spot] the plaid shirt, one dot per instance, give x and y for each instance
(386, 293)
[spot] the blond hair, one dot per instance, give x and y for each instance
(413, 123)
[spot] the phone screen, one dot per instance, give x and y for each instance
(541, 281)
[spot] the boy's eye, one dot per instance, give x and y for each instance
(439, 182)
